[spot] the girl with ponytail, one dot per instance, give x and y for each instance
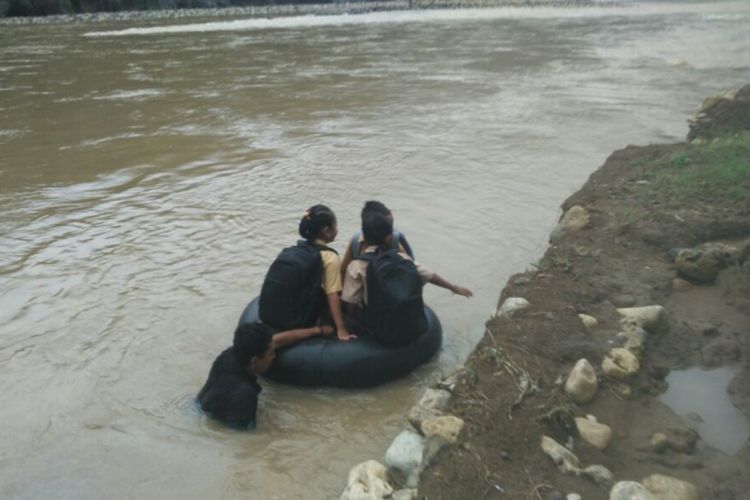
(318, 227)
(305, 279)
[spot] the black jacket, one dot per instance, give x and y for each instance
(230, 394)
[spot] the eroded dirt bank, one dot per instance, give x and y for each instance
(665, 225)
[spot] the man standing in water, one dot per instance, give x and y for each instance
(231, 392)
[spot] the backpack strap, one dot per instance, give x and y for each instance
(404, 243)
(326, 248)
(370, 256)
(355, 244)
(320, 248)
(395, 239)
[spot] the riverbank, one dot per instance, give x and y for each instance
(661, 225)
(270, 11)
(605, 370)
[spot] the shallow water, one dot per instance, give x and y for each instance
(148, 179)
(700, 396)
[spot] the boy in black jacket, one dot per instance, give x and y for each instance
(231, 392)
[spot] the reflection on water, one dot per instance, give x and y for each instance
(703, 393)
(147, 182)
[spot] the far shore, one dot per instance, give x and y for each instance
(271, 11)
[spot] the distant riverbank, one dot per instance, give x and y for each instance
(64, 11)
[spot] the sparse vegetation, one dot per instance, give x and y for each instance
(709, 169)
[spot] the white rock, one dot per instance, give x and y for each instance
(599, 474)
(447, 428)
(405, 494)
(574, 219)
(431, 404)
(620, 363)
(367, 481)
(588, 321)
(573, 496)
(629, 490)
(511, 305)
(581, 384)
(405, 454)
(565, 459)
(653, 319)
(594, 433)
(670, 488)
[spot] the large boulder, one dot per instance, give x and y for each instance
(367, 481)
(699, 267)
(727, 112)
(574, 219)
(653, 319)
(581, 384)
(670, 488)
(405, 455)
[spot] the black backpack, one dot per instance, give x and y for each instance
(291, 296)
(395, 312)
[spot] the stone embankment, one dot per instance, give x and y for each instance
(411, 451)
(643, 275)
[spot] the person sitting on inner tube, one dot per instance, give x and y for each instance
(303, 285)
(357, 244)
(378, 233)
(231, 392)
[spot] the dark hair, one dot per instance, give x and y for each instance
(316, 218)
(251, 340)
(376, 228)
(374, 207)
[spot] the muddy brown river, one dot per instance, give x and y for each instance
(150, 173)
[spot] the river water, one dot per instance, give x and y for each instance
(149, 176)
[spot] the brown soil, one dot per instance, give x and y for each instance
(620, 259)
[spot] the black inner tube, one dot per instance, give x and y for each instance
(361, 362)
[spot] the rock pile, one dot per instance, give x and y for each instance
(411, 451)
(619, 365)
